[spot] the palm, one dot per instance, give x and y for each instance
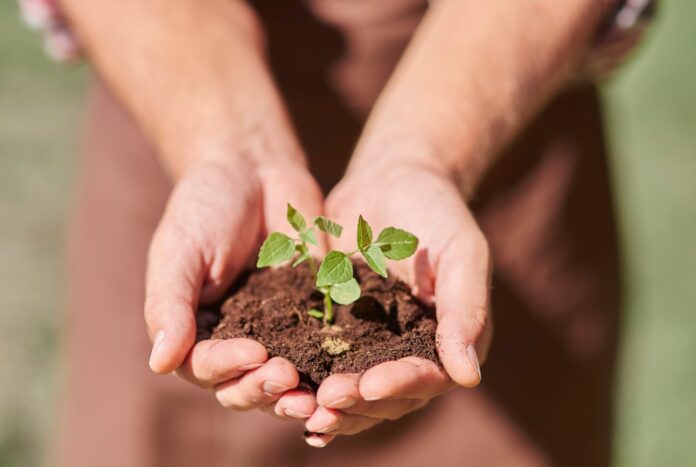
(210, 231)
(450, 269)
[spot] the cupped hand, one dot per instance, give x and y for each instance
(451, 270)
(215, 219)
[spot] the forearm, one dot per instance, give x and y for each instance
(193, 76)
(474, 73)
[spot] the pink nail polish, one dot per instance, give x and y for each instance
(473, 359)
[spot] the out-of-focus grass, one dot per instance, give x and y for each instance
(653, 123)
(38, 104)
(653, 132)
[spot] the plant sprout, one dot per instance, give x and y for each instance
(334, 276)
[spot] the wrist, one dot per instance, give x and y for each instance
(380, 154)
(461, 165)
(255, 149)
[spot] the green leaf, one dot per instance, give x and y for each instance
(345, 293)
(295, 218)
(276, 248)
(334, 269)
(304, 255)
(308, 236)
(328, 226)
(314, 313)
(376, 260)
(364, 233)
(396, 243)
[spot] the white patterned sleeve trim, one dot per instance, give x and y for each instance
(45, 16)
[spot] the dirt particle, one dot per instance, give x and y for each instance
(335, 346)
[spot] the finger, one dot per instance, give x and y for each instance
(328, 421)
(173, 285)
(389, 409)
(318, 440)
(214, 361)
(258, 387)
(410, 378)
(296, 405)
(192, 256)
(462, 297)
(341, 392)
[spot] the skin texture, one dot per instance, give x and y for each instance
(207, 101)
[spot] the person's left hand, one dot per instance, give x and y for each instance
(451, 269)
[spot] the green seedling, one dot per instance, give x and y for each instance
(334, 275)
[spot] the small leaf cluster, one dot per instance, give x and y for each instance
(334, 276)
(278, 247)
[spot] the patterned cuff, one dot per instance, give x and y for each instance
(618, 38)
(45, 16)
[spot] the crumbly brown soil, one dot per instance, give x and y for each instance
(270, 305)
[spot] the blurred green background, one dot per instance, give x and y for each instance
(652, 118)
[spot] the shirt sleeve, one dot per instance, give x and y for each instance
(45, 16)
(618, 38)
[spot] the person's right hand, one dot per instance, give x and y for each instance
(216, 217)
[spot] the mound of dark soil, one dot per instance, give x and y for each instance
(270, 306)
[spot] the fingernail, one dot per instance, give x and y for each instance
(315, 440)
(251, 366)
(269, 387)
(473, 358)
(293, 414)
(373, 398)
(328, 428)
(156, 348)
(342, 403)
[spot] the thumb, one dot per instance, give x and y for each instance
(462, 302)
(173, 285)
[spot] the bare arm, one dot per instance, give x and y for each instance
(193, 75)
(472, 76)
